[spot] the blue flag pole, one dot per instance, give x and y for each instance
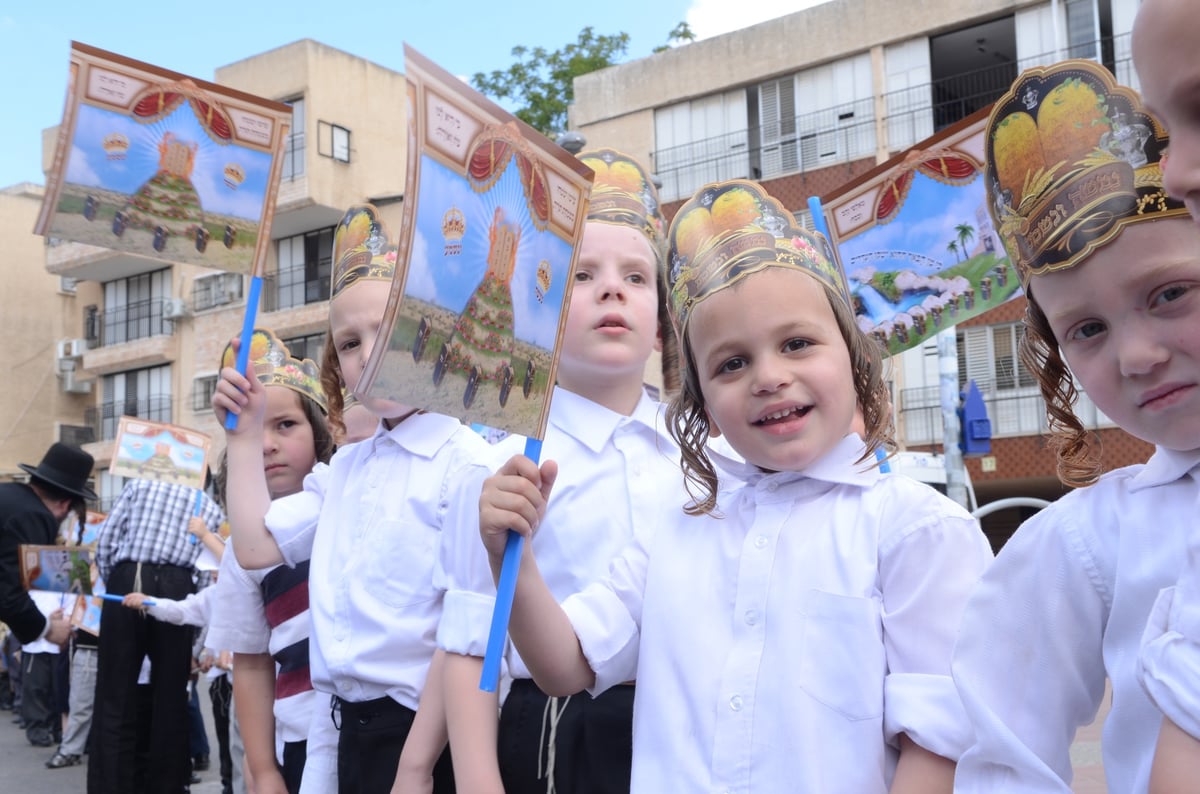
(243, 354)
(505, 589)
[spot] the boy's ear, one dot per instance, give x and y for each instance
(713, 430)
(658, 337)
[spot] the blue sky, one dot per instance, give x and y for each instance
(197, 38)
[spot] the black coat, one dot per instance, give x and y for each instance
(23, 519)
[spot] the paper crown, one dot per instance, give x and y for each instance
(1072, 157)
(361, 249)
(624, 195)
(732, 229)
(274, 366)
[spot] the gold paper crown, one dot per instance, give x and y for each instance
(624, 195)
(729, 230)
(361, 249)
(274, 366)
(1072, 157)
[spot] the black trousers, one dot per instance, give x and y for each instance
(39, 703)
(371, 735)
(220, 692)
(592, 748)
(294, 756)
(126, 637)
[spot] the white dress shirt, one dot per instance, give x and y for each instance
(784, 645)
(371, 523)
(613, 470)
(1063, 607)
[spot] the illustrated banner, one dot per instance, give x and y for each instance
(58, 569)
(160, 451)
(917, 242)
(165, 166)
(493, 213)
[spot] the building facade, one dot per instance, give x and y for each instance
(810, 101)
(148, 335)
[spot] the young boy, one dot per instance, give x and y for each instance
(615, 456)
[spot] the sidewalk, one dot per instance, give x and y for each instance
(1085, 753)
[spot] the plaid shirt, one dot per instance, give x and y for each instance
(148, 524)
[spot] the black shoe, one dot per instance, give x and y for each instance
(200, 763)
(59, 760)
(40, 739)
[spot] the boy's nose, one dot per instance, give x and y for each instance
(1181, 171)
(1139, 351)
(768, 378)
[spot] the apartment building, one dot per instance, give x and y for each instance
(44, 399)
(807, 102)
(148, 335)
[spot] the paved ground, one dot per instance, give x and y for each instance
(22, 766)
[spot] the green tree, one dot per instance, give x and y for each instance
(542, 83)
(952, 247)
(966, 233)
(680, 34)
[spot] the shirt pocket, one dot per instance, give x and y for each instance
(842, 663)
(401, 563)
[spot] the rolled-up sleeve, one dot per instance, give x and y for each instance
(926, 575)
(1169, 666)
(463, 571)
(239, 621)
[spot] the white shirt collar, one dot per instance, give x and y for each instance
(838, 466)
(421, 434)
(592, 423)
(1164, 466)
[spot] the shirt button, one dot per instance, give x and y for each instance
(760, 542)
(772, 486)
(751, 617)
(735, 703)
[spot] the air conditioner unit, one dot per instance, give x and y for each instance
(71, 348)
(174, 309)
(73, 385)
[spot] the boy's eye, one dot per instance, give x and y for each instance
(348, 344)
(1086, 330)
(637, 278)
(287, 424)
(582, 275)
(731, 365)
(792, 345)
(1171, 293)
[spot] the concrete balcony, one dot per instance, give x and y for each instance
(84, 262)
(149, 351)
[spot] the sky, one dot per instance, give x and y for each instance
(464, 38)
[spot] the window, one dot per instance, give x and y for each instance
(304, 268)
(989, 356)
(109, 487)
(217, 290)
(145, 393)
(133, 307)
(293, 154)
(309, 346)
(76, 435)
(333, 140)
(202, 392)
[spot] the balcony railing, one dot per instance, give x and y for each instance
(125, 323)
(848, 132)
(296, 286)
(1013, 412)
(103, 419)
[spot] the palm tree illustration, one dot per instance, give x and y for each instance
(966, 233)
(952, 247)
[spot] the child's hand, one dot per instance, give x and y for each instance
(245, 397)
(134, 601)
(514, 498)
(197, 527)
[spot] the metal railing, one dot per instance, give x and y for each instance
(847, 132)
(104, 418)
(127, 322)
(296, 286)
(1013, 412)
(293, 157)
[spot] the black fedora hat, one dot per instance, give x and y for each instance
(66, 468)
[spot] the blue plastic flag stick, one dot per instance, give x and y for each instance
(505, 589)
(243, 354)
(196, 510)
(119, 598)
(818, 217)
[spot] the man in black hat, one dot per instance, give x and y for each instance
(31, 513)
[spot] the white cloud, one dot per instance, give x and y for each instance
(80, 171)
(708, 18)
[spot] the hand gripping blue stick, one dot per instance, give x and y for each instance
(243, 354)
(505, 589)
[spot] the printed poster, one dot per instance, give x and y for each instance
(917, 242)
(91, 528)
(58, 569)
(86, 613)
(165, 166)
(493, 213)
(159, 451)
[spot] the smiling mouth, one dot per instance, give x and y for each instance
(782, 416)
